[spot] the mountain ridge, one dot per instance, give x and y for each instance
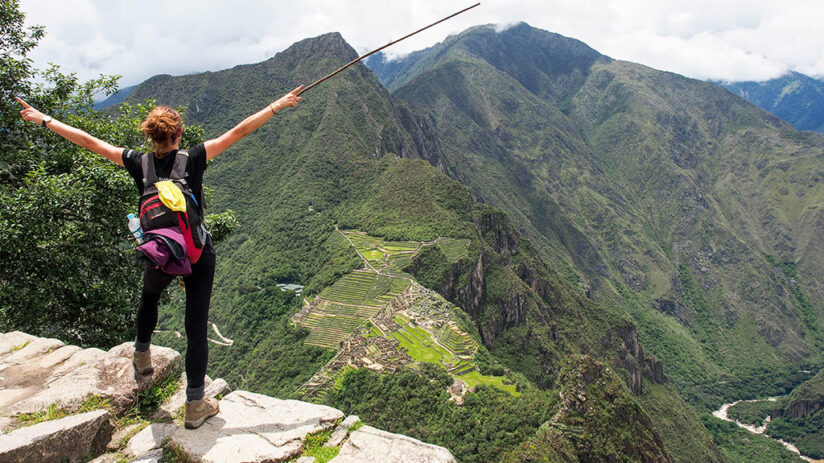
(579, 245)
(794, 97)
(333, 155)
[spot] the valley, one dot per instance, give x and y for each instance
(602, 252)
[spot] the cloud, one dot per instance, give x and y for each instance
(732, 40)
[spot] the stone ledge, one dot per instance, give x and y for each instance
(254, 428)
(71, 439)
(370, 445)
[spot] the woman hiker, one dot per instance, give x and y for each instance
(164, 127)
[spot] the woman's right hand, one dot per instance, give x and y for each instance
(30, 114)
(289, 100)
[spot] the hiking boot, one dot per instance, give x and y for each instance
(198, 411)
(142, 362)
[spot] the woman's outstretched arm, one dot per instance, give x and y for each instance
(73, 134)
(218, 145)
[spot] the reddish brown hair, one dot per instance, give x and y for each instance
(161, 126)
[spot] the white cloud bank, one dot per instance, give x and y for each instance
(724, 40)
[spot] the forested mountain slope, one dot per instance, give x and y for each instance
(346, 158)
(794, 97)
(670, 199)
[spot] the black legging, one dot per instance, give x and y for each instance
(198, 295)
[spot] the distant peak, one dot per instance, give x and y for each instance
(329, 44)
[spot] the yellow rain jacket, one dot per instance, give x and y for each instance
(171, 196)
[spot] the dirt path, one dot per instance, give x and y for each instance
(227, 341)
(365, 260)
(224, 341)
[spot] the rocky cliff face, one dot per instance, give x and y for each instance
(806, 399)
(41, 377)
(598, 420)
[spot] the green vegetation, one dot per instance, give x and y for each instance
(268, 355)
(802, 303)
(313, 447)
(19, 346)
(801, 418)
(348, 304)
(741, 446)
(144, 406)
(638, 198)
(806, 433)
(685, 438)
(420, 345)
(598, 419)
(632, 198)
(62, 207)
(453, 249)
(489, 424)
(474, 378)
(753, 412)
(365, 289)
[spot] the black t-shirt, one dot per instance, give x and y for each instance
(163, 168)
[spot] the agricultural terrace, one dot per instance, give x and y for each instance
(448, 347)
(342, 309)
(453, 248)
(348, 304)
(384, 256)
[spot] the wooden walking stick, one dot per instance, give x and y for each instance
(340, 69)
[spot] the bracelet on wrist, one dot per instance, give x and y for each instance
(272, 108)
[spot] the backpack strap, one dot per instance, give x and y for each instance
(178, 169)
(147, 165)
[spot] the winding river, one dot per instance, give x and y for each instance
(722, 413)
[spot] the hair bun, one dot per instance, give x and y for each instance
(161, 126)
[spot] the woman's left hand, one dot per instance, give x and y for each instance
(289, 100)
(30, 114)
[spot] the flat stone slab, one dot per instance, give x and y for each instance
(71, 439)
(37, 372)
(155, 456)
(254, 428)
(150, 438)
(370, 445)
(173, 404)
(340, 433)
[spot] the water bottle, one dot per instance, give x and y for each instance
(134, 227)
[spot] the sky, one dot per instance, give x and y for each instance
(727, 40)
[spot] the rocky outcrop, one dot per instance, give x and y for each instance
(342, 431)
(168, 410)
(150, 439)
(38, 372)
(806, 399)
(471, 295)
(497, 231)
(802, 408)
(70, 439)
(597, 419)
(254, 428)
(370, 445)
(632, 359)
(249, 427)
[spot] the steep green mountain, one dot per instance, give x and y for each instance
(582, 429)
(679, 204)
(794, 97)
(800, 419)
(346, 159)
